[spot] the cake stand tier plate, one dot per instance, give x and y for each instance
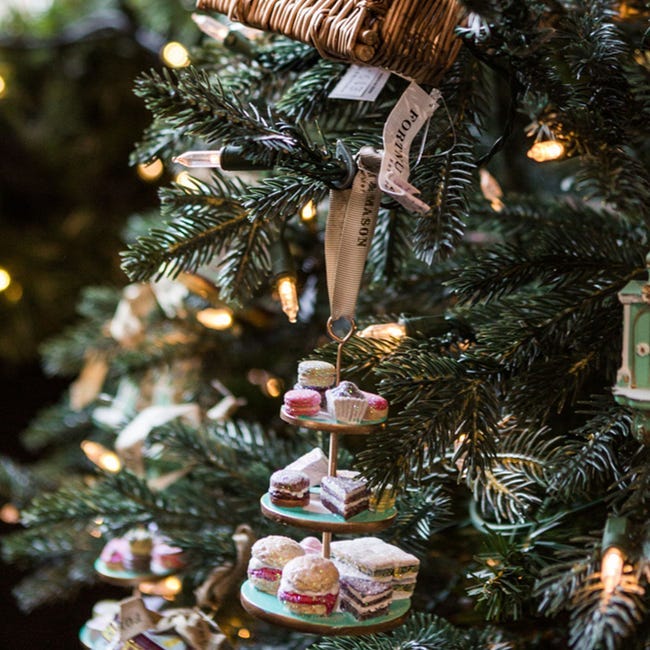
(323, 421)
(123, 578)
(316, 517)
(268, 608)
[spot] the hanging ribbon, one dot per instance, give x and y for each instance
(348, 234)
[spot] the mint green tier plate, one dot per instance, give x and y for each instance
(316, 517)
(84, 637)
(323, 421)
(268, 608)
(126, 578)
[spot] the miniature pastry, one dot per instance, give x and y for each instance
(317, 375)
(314, 463)
(302, 401)
(346, 403)
(165, 557)
(364, 598)
(381, 561)
(138, 556)
(269, 555)
(344, 496)
(377, 407)
(312, 545)
(113, 554)
(309, 585)
(289, 489)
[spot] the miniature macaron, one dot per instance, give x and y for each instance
(309, 585)
(316, 374)
(302, 401)
(289, 489)
(269, 555)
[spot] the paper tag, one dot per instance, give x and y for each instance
(410, 114)
(134, 618)
(361, 82)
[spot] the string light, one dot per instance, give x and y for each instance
(228, 158)
(215, 318)
(175, 55)
(284, 277)
(185, 179)
(168, 588)
(288, 294)
(613, 560)
(546, 150)
(384, 331)
(104, 458)
(194, 159)
(9, 514)
(308, 211)
(273, 387)
(491, 189)
(243, 633)
(5, 279)
(150, 171)
(3, 86)
(211, 27)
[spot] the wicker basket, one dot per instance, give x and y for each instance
(414, 38)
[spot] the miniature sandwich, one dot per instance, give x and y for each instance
(269, 556)
(364, 598)
(289, 489)
(344, 496)
(314, 463)
(309, 585)
(380, 561)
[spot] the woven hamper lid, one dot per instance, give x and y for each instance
(415, 38)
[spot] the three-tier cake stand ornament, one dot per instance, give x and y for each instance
(633, 378)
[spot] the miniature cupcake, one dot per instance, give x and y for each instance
(138, 557)
(289, 489)
(346, 403)
(309, 585)
(269, 555)
(302, 401)
(316, 375)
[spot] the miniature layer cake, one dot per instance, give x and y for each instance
(364, 598)
(344, 496)
(379, 560)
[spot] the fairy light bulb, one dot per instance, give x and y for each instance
(104, 458)
(194, 159)
(9, 514)
(185, 179)
(150, 171)
(491, 189)
(546, 150)
(611, 568)
(288, 294)
(175, 55)
(168, 588)
(3, 86)
(384, 331)
(308, 211)
(215, 318)
(211, 27)
(5, 279)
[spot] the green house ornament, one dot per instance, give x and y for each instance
(633, 378)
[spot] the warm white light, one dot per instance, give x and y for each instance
(9, 514)
(151, 171)
(5, 279)
(273, 387)
(308, 211)
(243, 633)
(167, 588)
(288, 294)
(215, 318)
(611, 569)
(211, 27)
(546, 150)
(384, 331)
(491, 189)
(104, 458)
(3, 86)
(199, 159)
(185, 179)
(175, 55)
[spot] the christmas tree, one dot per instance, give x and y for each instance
(489, 315)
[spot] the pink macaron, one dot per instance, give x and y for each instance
(302, 401)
